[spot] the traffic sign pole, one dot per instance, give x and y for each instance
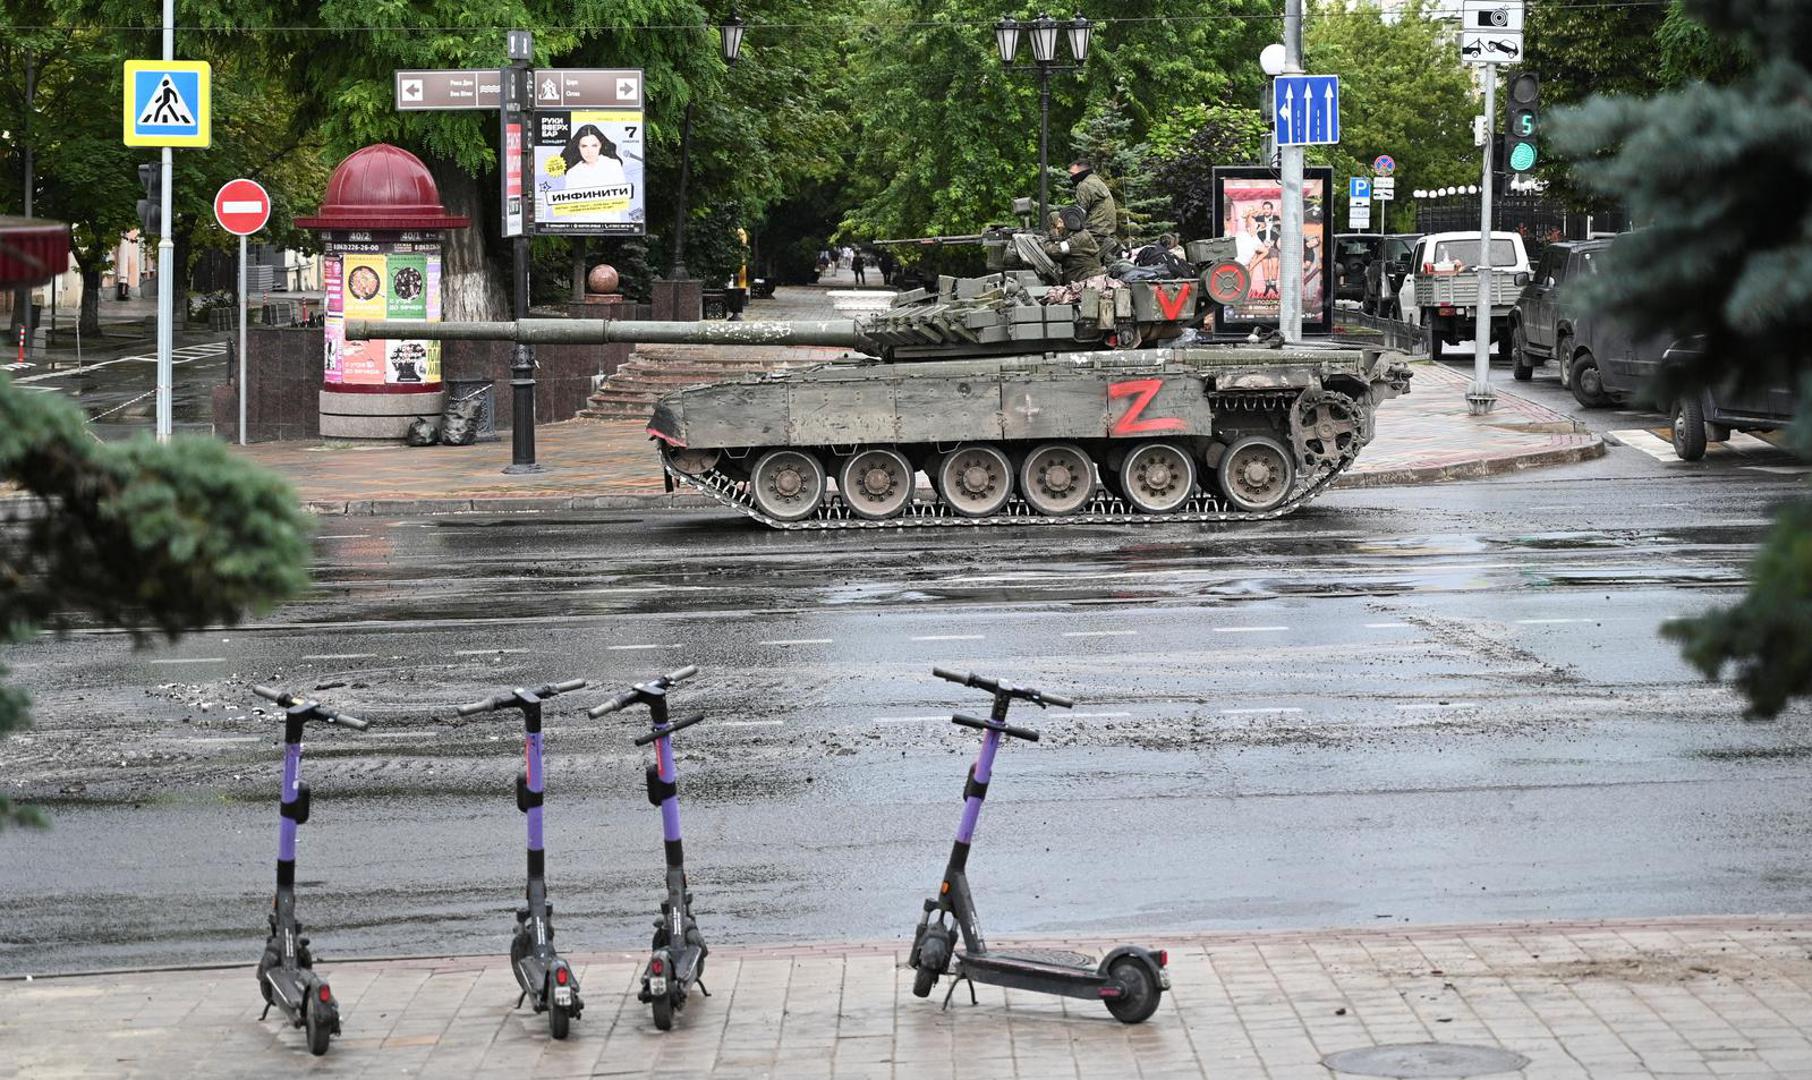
(520, 94)
(166, 267)
(1479, 397)
(242, 207)
(1289, 294)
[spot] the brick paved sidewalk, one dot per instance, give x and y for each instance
(1653, 998)
(1423, 436)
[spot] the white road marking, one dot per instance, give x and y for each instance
(485, 652)
(1259, 712)
(950, 637)
(908, 719)
(1100, 633)
(178, 356)
(1248, 629)
(400, 734)
(342, 656)
(1780, 470)
(637, 648)
(1550, 622)
(193, 660)
(1389, 626)
(1095, 715)
(344, 536)
(1649, 443)
(800, 641)
(1742, 440)
(212, 739)
(1439, 705)
(751, 723)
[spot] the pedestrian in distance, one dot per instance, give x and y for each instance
(858, 266)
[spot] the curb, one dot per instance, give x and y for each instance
(1475, 469)
(510, 504)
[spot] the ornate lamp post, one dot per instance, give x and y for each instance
(1043, 32)
(729, 36)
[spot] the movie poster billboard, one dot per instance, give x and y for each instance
(589, 172)
(381, 279)
(1248, 206)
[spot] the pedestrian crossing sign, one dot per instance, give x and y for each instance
(168, 103)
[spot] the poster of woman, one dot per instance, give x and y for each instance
(589, 172)
(1249, 208)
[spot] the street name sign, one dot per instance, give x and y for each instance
(242, 207)
(168, 103)
(1306, 109)
(1491, 31)
(439, 90)
(588, 88)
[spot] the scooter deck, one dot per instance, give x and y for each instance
(1049, 971)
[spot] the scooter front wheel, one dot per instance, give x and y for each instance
(663, 1013)
(923, 980)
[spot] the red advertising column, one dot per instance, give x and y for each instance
(381, 224)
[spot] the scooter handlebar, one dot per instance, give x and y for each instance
(1040, 698)
(965, 720)
(645, 739)
(633, 694)
(483, 706)
(514, 697)
(322, 712)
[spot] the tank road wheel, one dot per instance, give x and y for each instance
(1256, 473)
(787, 485)
(1057, 478)
(975, 480)
(876, 484)
(1157, 477)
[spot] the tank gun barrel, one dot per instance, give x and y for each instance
(836, 333)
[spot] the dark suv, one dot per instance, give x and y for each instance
(1355, 278)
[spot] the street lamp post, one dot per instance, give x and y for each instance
(729, 36)
(1044, 32)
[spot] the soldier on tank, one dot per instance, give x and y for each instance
(1072, 247)
(1098, 203)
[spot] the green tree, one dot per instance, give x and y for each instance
(1723, 177)
(1104, 137)
(1403, 92)
(1217, 135)
(158, 539)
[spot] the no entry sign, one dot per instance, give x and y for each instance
(242, 207)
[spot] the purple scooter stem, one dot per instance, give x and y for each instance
(984, 768)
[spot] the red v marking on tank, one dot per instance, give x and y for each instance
(1141, 391)
(1172, 306)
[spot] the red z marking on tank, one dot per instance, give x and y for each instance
(1172, 306)
(1141, 391)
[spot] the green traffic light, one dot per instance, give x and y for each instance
(1522, 157)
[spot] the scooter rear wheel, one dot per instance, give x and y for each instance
(559, 1018)
(1139, 991)
(663, 1013)
(319, 1025)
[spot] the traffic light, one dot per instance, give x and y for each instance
(151, 207)
(1525, 95)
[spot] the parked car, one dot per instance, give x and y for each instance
(1548, 321)
(1711, 414)
(1395, 253)
(1353, 252)
(1440, 292)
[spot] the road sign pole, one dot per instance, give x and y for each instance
(167, 272)
(522, 356)
(1289, 293)
(1479, 396)
(242, 322)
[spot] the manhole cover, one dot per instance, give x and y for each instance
(1425, 1061)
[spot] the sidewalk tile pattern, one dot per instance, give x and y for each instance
(1584, 1001)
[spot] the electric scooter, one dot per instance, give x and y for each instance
(286, 974)
(1129, 980)
(671, 970)
(546, 979)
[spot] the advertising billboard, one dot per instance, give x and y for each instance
(1248, 206)
(380, 279)
(589, 172)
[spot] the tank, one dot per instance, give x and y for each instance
(1022, 403)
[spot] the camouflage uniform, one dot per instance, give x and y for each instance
(1076, 254)
(1098, 203)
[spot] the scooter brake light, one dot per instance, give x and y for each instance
(560, 976)
(656, 967)
(1163, 958)
(326, 995)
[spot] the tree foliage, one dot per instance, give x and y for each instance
(1722, 177)
(1403, 92)
(157, 539)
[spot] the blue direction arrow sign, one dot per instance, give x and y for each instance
(1306, 109)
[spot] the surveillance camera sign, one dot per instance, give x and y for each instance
(1491, 31)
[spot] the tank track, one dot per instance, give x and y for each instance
(1104, 509)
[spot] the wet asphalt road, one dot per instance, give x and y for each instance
(1434, 704)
